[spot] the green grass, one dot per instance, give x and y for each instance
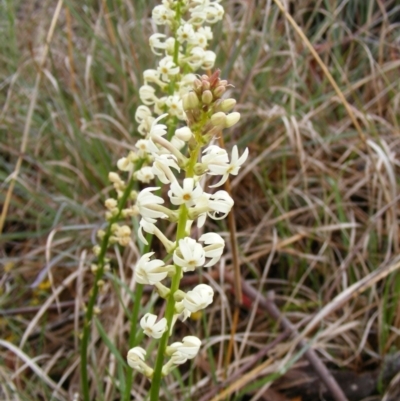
(329, 199)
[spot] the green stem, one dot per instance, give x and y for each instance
(169, 312)
(132, 338)
(95, 289)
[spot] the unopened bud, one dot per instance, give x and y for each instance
(232, 119)
(190, 101)
(207, 97)
(200, 169)
(218, 119)
(101, 234)
(114, 177)
(124, 164)
(184, 133)
(96, 250)
(197, 84)
(110, 203)
(227, 105)
(205, 84)
(219, 91)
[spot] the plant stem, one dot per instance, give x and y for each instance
(95, 289)
(169, 312)
(132, 338)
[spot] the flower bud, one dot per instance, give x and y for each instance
(114, 177)
(207, 97)
(205, 84)
(227, 105)
(232, 119)
(110, 203)
(197, 84)
(190, 101)
(219, 91)
(218, 119)
(184, 133)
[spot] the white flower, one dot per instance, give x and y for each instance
(150, 271)
(197, 16)
(159, 105)
(206, 31)
(199, 298)
(167, 68)
(135, 359)
(144, 117)
(187, 195)
(152, 229)
(199, 39)
(143, 145)
(177, 143)
(208, 60)
(162, 15)
(174, 104)
(214, 247)
(185, 33)
(124, 164)
(162, 168)
(215, 13)
(217, 206)
(182, 351)
(151, 328)
(217, 168)
(186, 84)
(195, 60)
(214, 154)
(147, 95)
(189, 254)
(158, 129)
(156, 43)
(145, 174)
(220, 204)
(146, 226)
(147, 204)
(142, 112)
(170, 46)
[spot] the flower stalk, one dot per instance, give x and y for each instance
(181, 115)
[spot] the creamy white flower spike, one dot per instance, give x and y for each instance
(151, 327)
(181, 113)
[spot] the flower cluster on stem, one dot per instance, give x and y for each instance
(181, 115)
